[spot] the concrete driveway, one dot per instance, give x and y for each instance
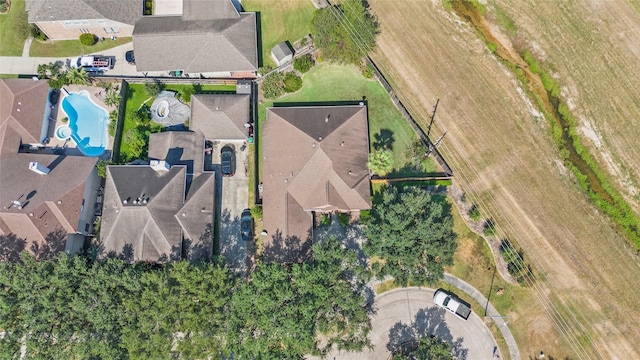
(233, 197)
(408, 313)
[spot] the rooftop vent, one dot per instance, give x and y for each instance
(38, 168)
(160, 165)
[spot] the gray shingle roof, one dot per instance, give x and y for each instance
(172, 43)
(220, 116)
(314, 160)
(281, 51)
(124, 11)
(22, 107)
(178, 148)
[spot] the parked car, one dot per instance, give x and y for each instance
(452, 303)
(93, 62)
(246, 225)
(228, 160)
(130, 57)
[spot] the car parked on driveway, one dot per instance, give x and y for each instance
(452, 303)
(246, 225)
(228, 160)
(130, 57)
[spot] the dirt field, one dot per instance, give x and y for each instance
(504, 159)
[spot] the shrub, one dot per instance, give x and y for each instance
(516, 265)
(380, 162)
(325, 219)
(186, 94)
(366, 70)
(153, 88)
(88, 39)
(36, 33)
(273, 85)
(256, 212)
(265, 69)
(474, 213)
(489, 228)
(101, 165)
(112, 98)
(343, 219)
(113, 121)
(292, 82)
(3, 6)
(303, 63)
(64, 119)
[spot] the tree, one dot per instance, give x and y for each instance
(273, 85)
(112, 98)
(303, 63)
(88, 39)
(345, 32)
(381, 162)
(429, 348)
(411, 232)
(101, 165)
(292, 82)
(285, 308)
(77, 76)
(153, 88)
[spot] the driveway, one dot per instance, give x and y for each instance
(408, 313)
(233, 196)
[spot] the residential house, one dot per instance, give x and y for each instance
(313, 162)
(67, 19)
(221, 117)
(163, 211)
(210, 39)
(46, 198)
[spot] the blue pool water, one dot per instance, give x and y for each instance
(88, 123)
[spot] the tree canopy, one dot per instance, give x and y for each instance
(345, 32)
(285, 309)
(429, 348)
(411, 232)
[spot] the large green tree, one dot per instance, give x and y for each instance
(429, 348)
(285, 309)
(345, 32)
(411, 232)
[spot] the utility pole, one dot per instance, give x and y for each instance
(433, 117)
(435, 144)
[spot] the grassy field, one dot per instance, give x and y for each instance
(281, 20)
(65, 48)
(504, 158)
(333, 82)
(14, 29)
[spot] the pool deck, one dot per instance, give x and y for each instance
(58, 114)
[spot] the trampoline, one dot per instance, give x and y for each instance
(167, 110)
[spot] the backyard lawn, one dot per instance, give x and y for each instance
(281, 20)
(14, 29)
(136, 97)
(334, 82)
(63, 48)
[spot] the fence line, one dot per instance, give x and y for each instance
(405, 113)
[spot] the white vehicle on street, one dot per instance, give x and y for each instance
(452, 304)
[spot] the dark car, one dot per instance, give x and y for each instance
(246, 225)
(130, 57)
(228, 160)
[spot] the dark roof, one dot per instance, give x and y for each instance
(22, 107)
(220, 117)
(314, 160)
(176, 222)
(208, 41)
(281, 51)
(124, 11)
(209, 10)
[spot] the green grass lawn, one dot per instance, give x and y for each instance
(136, 96)
(14, 29)
(64, 48)
(281, 20)
(334, 82)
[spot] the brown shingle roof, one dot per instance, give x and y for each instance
(22, 108)
(314, 160)
(220, 117)
(165, 43)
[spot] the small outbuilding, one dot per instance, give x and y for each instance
(282, 53)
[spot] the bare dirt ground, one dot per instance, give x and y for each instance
(504, 159)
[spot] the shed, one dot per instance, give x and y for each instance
(282, 53)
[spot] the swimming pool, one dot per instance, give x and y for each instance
(88, 123)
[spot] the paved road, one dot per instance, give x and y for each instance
(234, 197)
(407, 313)
(29, 65)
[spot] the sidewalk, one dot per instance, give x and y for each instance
(25, 65)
